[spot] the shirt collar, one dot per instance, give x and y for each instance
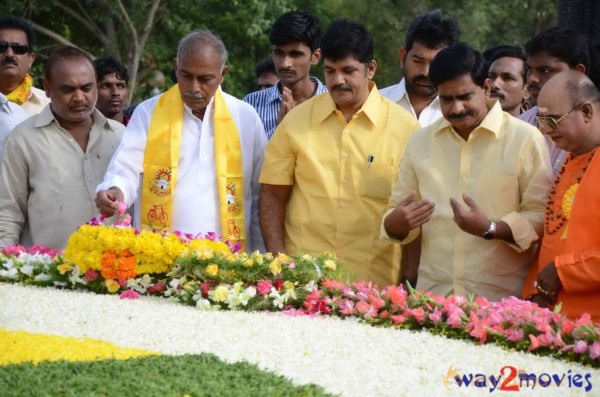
(491, 122)
(45, 117)
(370, 107)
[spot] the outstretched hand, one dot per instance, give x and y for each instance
(472, 220)
(407, 215)
(108, 201)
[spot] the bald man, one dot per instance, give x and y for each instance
(567, 268)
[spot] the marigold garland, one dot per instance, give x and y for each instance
(118, 265)
(152, 252)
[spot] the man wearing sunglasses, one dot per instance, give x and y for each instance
(16, 57)
(567, 267)
(553, 51)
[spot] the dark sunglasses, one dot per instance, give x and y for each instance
(17, 48)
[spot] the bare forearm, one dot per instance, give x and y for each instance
(272, 204)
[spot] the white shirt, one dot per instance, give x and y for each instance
(11, 114)
(36, 101)
(196, 200)
(397, 93)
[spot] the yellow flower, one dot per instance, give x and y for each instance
(212, 269)
(329, 264)
(220, 294)
(568, 199)
(248, 262)
(112, 286)
(289, 285)
(275, 267)
(190, 286)
(283, 258)
(65, 267)
(257, 257)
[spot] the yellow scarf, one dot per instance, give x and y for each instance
(21, 93)
(161, 161)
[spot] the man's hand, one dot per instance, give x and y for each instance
(407, 215)
(286, 105)
(541, 302)
(548, 283)
(473, 220)
(107, 201)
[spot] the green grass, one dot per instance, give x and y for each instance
(191, 375)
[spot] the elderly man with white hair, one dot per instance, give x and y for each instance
(190, 157)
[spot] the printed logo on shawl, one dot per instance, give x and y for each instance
(233, 203)
(161, 185)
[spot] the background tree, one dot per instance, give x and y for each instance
(144, 34)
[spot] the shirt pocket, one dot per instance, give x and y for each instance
(502, 192)
(378, 180)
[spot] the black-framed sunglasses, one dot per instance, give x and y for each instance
(549, 124)
(17, 48)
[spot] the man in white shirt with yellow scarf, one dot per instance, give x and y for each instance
(190, 157)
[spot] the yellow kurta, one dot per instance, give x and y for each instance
(504, 166)
(338, 198)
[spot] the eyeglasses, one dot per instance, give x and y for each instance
(18, 49)
(550, 122)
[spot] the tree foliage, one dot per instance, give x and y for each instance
(144, 33)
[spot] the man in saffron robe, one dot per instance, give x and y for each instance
(190, 158)
(567, 269)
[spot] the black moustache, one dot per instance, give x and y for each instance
(6, 61)
(458, 116)
(341, 88)
(499, 95)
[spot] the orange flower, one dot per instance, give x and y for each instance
(118, 265)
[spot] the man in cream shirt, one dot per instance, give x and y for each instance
(197, 197)
(482, 157)
(427, 34)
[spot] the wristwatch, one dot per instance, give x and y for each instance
(491, 232)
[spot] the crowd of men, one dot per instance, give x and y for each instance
(472, 175)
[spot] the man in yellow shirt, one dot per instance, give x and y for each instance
(330, 167)
(495, 163)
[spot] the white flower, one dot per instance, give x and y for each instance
(203, 304)
(42, 277)
(140, 284)
(27, 270)
(12, 273)
(312, 285)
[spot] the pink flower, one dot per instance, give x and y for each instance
(237, 247)
(436, 316)
(595, 351)
(129, 294)
(40, 249)
(212, 236)
(124, 220)
(122, 282)
(515, 335)
(91, 275)
(263, 287)
(418, 313)
(398, 319)
(13, 250)
(397, 294)
(367, 310)
(534, 342)
(121, 207)
(292, 266)
(333, 285)
(347, 307)
(580, 347)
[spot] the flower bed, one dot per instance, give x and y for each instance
(344, 356)
(210, 276)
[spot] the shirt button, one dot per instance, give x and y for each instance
(344, 181)
(343, 205)
(347, 132)
(345, 155)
